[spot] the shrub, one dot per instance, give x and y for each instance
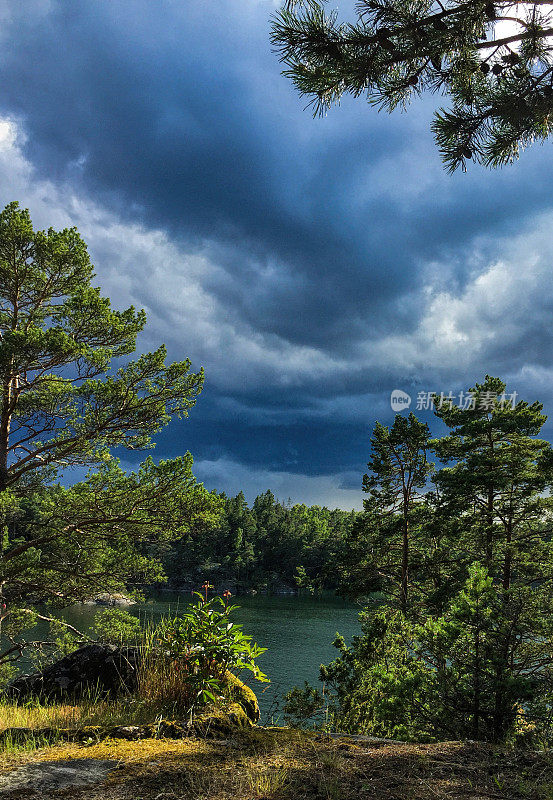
(187, 657)
(444, 677)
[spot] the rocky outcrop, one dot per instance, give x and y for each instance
(243, 695)
(107, 599)
(35, 780)
(94, 668)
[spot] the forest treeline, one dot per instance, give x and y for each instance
(271, 546)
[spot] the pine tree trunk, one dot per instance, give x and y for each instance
(490, 514)
(489, 527)
(477, 689)
(500, 710)
(405, 563)
(507, 563)
(9, 383)
(5, 423)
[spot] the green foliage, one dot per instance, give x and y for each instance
(377, 686)
(481, 660)
(500, 87)
(494, 480)
(207, 640)
(62, 405)
(102, 527)
(117, 626)
(471, 655)
(398, 464)
(189, 656)
(303, 704)
(264, 547)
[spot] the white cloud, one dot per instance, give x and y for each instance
(322, 490)
(144, 267)
(505, 302)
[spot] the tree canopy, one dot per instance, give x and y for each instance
(62, 405)
(471, 654)
(493, 59)
(269, 545)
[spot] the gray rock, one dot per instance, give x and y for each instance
(94, 668)
(42, 777)
(107, 599)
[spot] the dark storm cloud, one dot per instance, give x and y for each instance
(179, 115)
(175, 114)
(186, 121)
(308, 446)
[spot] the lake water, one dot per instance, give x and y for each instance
(297, 632)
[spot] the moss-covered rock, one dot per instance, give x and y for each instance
(218, 725)
(243, 695)
(238, 716)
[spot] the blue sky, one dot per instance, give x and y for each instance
(310, 265)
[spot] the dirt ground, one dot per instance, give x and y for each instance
(276, 764)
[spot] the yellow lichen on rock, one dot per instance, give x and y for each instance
(243, 695)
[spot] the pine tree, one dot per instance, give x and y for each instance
(62, 405)
(500, 82)
(495, 482)
(398, 471)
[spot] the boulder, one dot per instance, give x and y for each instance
(243, 696)
(107, 599)
(102, 668)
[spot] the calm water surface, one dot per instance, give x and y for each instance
(298, 632)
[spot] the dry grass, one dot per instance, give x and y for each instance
(163, 693)
(15, 715)
(281, 764)
(131, 711)
(165, 686)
